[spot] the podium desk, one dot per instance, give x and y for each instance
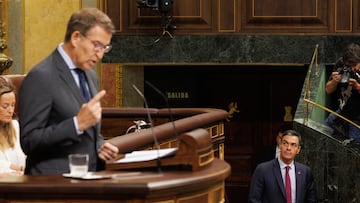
(169, 186)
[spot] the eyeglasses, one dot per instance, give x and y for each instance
(98, 46)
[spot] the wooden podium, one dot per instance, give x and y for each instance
(194, 151)
(169, 186)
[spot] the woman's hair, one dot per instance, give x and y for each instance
(351, 54)
(87, 18)
(7, 131)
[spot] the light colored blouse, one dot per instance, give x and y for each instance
(14, 155)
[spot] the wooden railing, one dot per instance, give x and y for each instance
(116, 121)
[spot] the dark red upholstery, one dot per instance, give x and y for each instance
(16, 79)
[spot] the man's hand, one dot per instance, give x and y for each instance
(108, 152)
(354, 84)
(336, 76)
(90, 113)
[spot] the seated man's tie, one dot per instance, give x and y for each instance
(288, 185)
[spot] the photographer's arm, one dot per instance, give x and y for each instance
(331, 85)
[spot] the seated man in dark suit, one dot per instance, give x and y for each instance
(283, 180)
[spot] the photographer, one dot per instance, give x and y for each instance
(344, 84)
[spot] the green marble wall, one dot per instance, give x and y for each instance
(225, 49)
(334, 161)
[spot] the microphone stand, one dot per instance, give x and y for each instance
(167, 105)
(158, 161)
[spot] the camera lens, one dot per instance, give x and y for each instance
(345, 76)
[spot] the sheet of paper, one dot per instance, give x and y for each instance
(146, 155)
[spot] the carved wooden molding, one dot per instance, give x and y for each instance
(227, 15)
(238, 16)
(343, 15)
(286, 16)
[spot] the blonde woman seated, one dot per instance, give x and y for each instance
(12, 158)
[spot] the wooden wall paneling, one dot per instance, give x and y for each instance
(142, 20)
(195, 16)
(227, 15)
(238, 16)
(137, 20)
(189, 16)
(343, 15)
(356, 16)
(111, 81)
(241, 156)
(124, 13)
(285, 16)
(240, 165)
(115, 11)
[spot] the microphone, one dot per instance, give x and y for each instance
(166, 103)
(158, 161)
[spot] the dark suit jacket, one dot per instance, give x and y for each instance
(267, 184)
(49, 99)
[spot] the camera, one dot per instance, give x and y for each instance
(163, 6)
(346, 73)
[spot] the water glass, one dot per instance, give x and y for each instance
(79, 164)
